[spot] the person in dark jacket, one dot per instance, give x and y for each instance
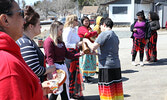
(151, 48)
(140, 35)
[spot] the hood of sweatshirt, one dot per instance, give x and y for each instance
(98, 20)
(97, 26)
(8, 44)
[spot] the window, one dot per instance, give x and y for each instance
(120, 10)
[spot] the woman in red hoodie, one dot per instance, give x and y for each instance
(18, 81)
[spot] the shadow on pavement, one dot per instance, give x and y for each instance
(159, 62)
(129, 71)
(124, 79)
(97, 97)
(93, 97)
(94, 80)
(126, 95)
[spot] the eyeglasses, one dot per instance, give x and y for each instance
(20, 11)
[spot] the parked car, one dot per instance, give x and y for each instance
(62, 20)
(92, 21)
(45, 22)
(49, 20)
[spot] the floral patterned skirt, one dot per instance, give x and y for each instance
(87, 65)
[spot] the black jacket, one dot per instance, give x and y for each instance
(154, 25)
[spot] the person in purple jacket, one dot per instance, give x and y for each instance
(55, 53)
(140, 36)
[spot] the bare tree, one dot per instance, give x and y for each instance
(44, 7)
(48, 7)
(63, 7)
(98, 2)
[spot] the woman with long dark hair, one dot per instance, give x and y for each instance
(151, 46)
(87, 62)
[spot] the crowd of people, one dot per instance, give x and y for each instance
(144, 35)
(25, 69)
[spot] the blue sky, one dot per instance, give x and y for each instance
(29, 2)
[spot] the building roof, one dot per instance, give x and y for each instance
(160, 3)
(89, 10)
(147, 1)
(137, 1)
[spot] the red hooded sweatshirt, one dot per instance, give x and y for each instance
(17, 80)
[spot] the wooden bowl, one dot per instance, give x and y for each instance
(58, 80)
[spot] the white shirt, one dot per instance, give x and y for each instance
(70, 37)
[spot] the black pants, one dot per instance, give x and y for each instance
(141, 54)
(63, 94)
(67, 62)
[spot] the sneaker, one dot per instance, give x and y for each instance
(147, 60)
(72, 99)
(77, 98)
(153, 60)
(89, 77)
(88, 81)
(141, 64)
(133, 63)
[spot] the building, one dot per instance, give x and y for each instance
(124, 11)
(90, 11)
(161, 9)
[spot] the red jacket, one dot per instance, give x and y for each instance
(17, 80)
(166, 25)
(84, 32)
